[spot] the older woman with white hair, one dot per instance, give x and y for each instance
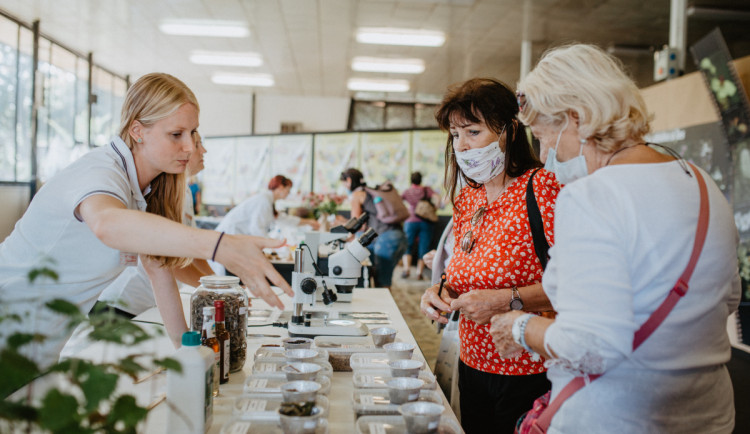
(627, 228)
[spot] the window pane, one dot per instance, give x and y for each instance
(368, 115)
(23, 105)
(424, 116)
(8, 58)
(399, 116)
(103, 125)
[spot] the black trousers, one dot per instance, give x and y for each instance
(492, 403)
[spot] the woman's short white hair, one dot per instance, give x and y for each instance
(588, 81)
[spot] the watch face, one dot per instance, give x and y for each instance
(516, 304)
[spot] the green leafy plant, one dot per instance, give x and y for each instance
(83, 397)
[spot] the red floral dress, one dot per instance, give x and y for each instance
(502, 257)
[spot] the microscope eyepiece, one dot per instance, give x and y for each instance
(367, 237)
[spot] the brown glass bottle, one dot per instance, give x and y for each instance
(224, 342)
(208, 339)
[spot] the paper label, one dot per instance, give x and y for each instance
(240, 428)
(267, 367)
(258, 383)
(243, 310)
(366, 400)
(367, 379)
(253, 405)
(376, 428)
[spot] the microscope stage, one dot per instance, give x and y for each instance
(329, 327)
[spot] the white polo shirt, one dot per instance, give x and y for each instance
(50, 229)
(132, 291)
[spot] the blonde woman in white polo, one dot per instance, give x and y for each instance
(124, 199)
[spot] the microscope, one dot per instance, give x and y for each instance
(316, 277)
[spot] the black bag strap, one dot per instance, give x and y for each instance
(541, 246)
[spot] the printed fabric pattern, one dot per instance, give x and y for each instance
(502, 257)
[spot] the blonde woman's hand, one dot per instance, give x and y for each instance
(243, 256)
(479, 305)
(432, 306)
(501, 330)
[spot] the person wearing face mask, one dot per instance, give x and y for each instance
(629, 223)
(494, 267)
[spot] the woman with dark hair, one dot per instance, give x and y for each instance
(494, 267)
(417, 228)
(391, 241)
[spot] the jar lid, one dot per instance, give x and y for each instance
(220, 280)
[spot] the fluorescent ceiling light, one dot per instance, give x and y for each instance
(378, 85)
(256, 80)
(217, 28)
(226, 58)
(377, 64)
(389, 36)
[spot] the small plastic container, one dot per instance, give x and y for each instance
(373, 402)
(241, 425)
(377, 379)
(266, 405)
(383, 335)
(301, 355)
(399, 350)
(421, 417)
(397, 425)
(341, 348)
(405, 368)
(301, 424)
(297, 343)
(301, 371)
(300, 391)
(274, 354)
(404, 389)
(265, 367)
(369, 361)
(271, 383)
(225, 288)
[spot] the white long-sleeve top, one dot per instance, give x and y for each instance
(624, 235)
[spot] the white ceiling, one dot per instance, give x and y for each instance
(307, 45)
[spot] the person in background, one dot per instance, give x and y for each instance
(195, 193)
(390, 243)
(415, 226)
(131, 293)
(625, 227)
(125, 199)
(256, 215)
(494, 267)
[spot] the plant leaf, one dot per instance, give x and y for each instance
(16, 370)
(127, 411)
(98, 386)
(169, 363)
(59, 412)
(18, 411)
(63, 307)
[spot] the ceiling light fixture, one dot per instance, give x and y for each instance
(255, 80)
(377, 64)
(215, 28)
(226, 58)
(391, 36)
(377, 85)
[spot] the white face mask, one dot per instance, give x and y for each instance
(566, 171)
(482, 164)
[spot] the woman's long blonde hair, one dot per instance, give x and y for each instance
(152, 98)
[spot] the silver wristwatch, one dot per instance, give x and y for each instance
(515, 299)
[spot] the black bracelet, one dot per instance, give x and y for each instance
(213, 257)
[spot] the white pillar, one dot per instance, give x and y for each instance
(526, 40)
(678, 30)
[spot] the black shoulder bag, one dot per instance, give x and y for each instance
(535, 222)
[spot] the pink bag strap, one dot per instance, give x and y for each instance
(657, 317)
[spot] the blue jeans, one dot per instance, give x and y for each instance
(385, 253)
(423, 230)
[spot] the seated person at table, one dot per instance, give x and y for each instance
(131, 293)
(256, 215)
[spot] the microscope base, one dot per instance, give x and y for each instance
(329, 328)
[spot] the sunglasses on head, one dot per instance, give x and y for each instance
(468, 240)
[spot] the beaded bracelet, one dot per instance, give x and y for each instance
(521, 323)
